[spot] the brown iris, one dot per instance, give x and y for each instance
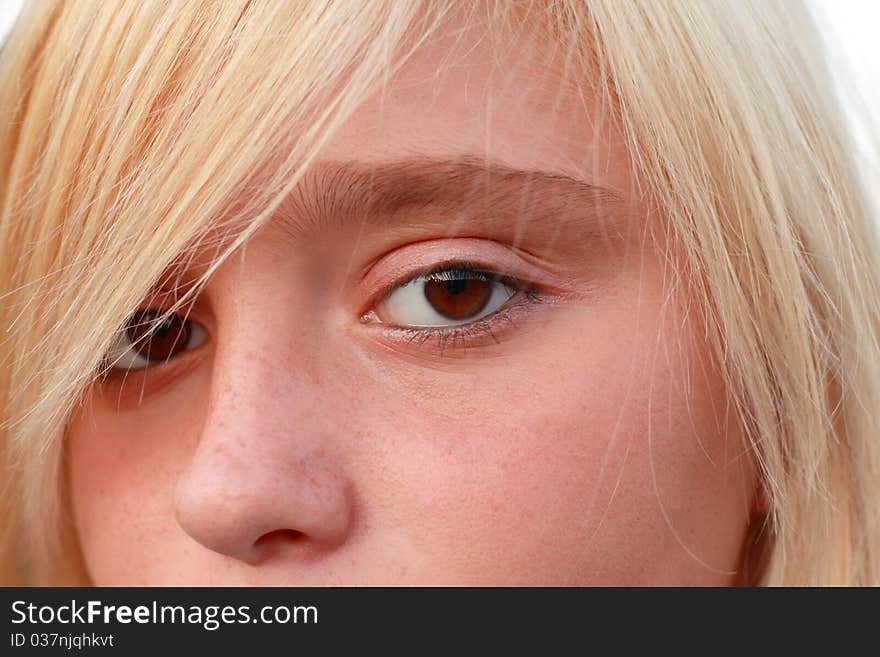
(165, 341)
(458, 299)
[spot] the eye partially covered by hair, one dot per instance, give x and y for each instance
(144, 341)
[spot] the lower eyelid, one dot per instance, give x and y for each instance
(126, 384)
(485, 331)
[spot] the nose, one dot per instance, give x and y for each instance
(263, 482)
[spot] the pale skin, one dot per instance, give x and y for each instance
(587, 440)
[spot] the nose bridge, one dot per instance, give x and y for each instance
(263, 478)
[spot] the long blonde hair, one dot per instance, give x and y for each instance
(131, 127)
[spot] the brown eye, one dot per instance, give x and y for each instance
(143, 343)
(458, 299)
(448, 297)
(165, 341)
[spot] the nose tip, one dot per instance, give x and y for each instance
(258, 513)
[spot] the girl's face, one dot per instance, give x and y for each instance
(432, 367)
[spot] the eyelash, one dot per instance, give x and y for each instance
(524, 295)
(465, 333)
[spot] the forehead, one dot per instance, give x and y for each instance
(487, 87)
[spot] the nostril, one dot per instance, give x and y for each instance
(279, 536)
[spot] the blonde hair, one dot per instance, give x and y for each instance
(131, 128)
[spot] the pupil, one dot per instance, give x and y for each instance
(163, 342)
(458, 299)
(163, 329)
(456, 287)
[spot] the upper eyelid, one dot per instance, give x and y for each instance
(466, 266)
(396, 266)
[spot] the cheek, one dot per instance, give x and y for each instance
(122, 469)
(603, 463)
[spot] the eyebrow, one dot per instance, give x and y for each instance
(549, 214)
(458, 195)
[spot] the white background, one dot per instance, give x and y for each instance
(8, 10)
